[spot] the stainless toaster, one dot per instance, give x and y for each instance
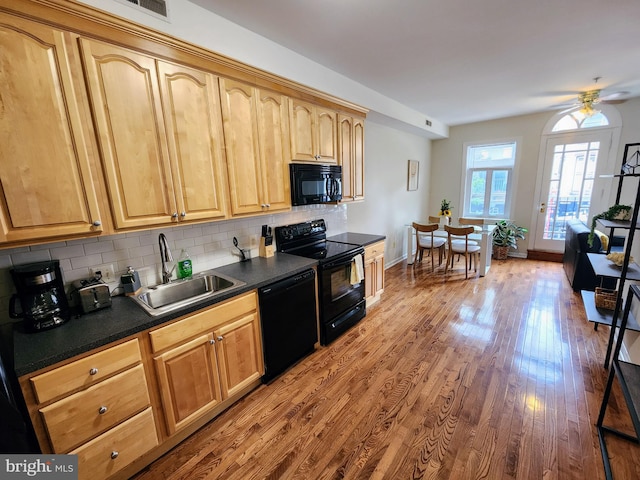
(92, 296)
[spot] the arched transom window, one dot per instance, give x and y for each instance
(578, 120)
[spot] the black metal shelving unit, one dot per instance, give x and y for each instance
(628, 375)
(602, 267)
(622, 318)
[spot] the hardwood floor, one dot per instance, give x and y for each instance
(497, 377)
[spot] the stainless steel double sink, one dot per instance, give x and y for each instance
(168, 297)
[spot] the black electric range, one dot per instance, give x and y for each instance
(341, 286)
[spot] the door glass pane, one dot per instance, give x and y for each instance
(571, 186)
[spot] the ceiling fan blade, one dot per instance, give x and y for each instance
(613, 102)
(567, 110)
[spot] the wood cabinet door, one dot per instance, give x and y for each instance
(191, 107)
(379, 273)
(239, 351)
(46, 183)
(327, 135)
(125, 99)
(345, 159)
(188, 381)
(242, 149)
(357, 173)
(273, 136)
(302, 134)
(369, 279)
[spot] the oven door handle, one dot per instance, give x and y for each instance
(340, 262)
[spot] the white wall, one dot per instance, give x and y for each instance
(448, 162)
(388, 205)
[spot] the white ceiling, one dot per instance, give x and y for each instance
(460, 61)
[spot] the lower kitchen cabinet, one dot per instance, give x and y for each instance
(374, 272)
(206, 358)
(189, 381)
(109, 406)
(98, 407)
(114, 450)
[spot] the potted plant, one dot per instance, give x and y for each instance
(616, 212)
(505, 236)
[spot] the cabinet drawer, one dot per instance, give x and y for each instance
(372, 251)
(203, 321)
(86, 371)
(115, 449)
(75, 419)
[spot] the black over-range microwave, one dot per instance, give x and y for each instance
(315, 183)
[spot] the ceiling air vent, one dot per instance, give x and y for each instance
(158, 7)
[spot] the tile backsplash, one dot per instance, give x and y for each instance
(209, 245)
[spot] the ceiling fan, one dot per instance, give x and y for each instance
(589, 98)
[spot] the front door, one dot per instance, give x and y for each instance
(570, 180)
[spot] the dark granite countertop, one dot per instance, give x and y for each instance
(33, 351)
(363, 239)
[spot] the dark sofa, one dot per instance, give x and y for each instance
(575, 261)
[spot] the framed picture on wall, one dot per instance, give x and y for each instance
(412, 177)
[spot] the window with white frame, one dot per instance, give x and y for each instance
(489, 179)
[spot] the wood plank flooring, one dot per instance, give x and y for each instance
(499, 377)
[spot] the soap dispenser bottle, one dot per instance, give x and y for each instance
(185, 267)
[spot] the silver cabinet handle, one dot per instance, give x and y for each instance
(220, 338)
(267, 205)
(102, 410)
(174, 215)
(97, 223)
(114, 455)
(212, 341)
(183, 214)
(93, 371)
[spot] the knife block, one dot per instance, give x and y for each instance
(266, 247)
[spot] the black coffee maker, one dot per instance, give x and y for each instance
(43, 302)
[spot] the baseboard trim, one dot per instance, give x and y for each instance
(545, 256)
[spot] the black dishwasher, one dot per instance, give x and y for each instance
(289, 326)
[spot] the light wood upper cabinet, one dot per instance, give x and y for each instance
(255, 131)
(125, 96)
(314, 131)
(351, 150)
(160, 135)
(46, 184)
(191, 106)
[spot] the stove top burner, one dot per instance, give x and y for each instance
(308, 239)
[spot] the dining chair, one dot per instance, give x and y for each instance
(426, 240)
(463, 221)
(458, 243)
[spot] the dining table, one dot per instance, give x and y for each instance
(482, 233)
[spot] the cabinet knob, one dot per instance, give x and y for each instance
(220, 338)
(114, 454)
(183, 214)
(174, 215)
(97, 223)
(212, 341)
(102, 410)
(267, 205)
(93, 371)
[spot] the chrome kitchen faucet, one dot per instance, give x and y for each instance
(165, 256)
